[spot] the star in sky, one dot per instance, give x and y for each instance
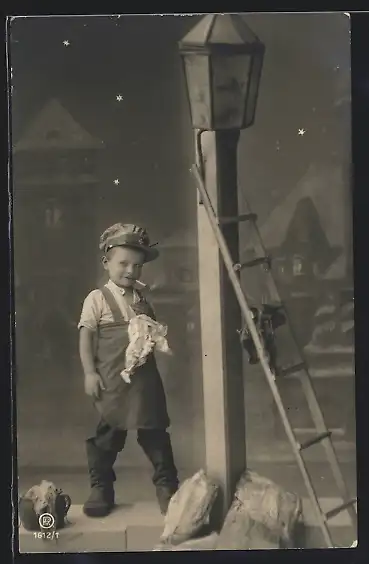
(116, 181)
(66, 43)
(302, 131)
(119, 98)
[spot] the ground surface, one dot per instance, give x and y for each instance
(136, 524)
(135, 485)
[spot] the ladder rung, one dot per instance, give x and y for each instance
(315, 440)
(237, 218)
(292, 369)
(333, 512)
(250, 263)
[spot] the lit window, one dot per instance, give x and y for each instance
(53, 216)
(298, 266)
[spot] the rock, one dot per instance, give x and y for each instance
(262, 516)
(189, 509)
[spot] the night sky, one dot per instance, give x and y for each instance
(87, 62)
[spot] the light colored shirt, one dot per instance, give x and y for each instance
(95, 310)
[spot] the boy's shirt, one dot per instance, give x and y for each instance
(95, 310)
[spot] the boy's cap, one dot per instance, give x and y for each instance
(128, 235)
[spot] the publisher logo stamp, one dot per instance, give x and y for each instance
(46, 521)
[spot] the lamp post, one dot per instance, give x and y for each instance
(222, 60)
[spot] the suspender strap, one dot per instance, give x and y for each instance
(143, 306)
(112, 303)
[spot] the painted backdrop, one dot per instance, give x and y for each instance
(101, 134)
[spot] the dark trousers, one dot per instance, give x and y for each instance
(155, 443)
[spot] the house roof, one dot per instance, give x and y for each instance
(325, 186)
(54, 128)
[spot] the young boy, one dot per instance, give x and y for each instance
(139, 405)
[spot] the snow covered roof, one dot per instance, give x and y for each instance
(325, 187)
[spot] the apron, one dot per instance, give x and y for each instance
(140, 404)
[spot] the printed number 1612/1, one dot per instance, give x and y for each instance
(48, 535)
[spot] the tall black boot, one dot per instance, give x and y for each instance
(157, 446)
(102, 478)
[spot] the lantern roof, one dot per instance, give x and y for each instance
(219, 29)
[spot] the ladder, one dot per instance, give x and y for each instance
(299, 370)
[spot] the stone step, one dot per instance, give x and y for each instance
(127, 528)
(138, 527)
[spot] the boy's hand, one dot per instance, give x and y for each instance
(93, 384)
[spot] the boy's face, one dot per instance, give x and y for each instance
(124, 265)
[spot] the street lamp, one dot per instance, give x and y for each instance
(222, 60)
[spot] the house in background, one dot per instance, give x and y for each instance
(55, 189)
(314, 221)
(55, 184)
(309, 239)
(178, 252)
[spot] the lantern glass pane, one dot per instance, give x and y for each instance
(230, 76)
(198, 84)
(254, 80)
